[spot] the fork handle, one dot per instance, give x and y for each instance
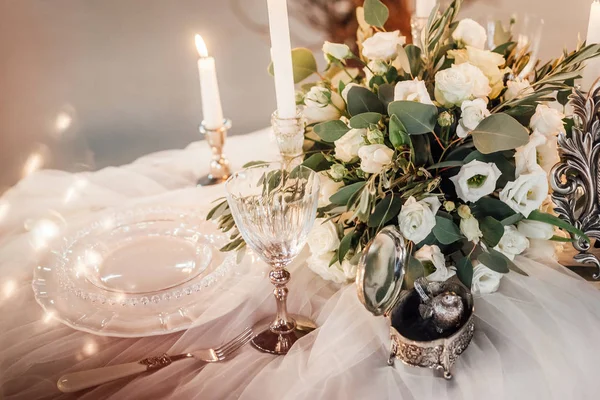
(93, 377)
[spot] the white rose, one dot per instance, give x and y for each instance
(470, 228)
(417, 218)
(488, 62)
(512, 243)
(459, 83)
(375, 68)
(527, 192)
(526, 156)
(319, 264)
(547, 154)
(433, 255)
(414, 90)
(347, 76)
(347, 90)
(322, 104)
(374, 157)
(473, 112)
(517, 89)
(470, 33)
(327, 188)
(475, 180)
(547, 120)
(336, 51)
(535, 229)
(383, 45)
(485, 280)
(346, 147)
(323, 237)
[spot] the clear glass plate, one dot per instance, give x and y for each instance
(131, 273)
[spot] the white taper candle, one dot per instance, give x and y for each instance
(209, 87)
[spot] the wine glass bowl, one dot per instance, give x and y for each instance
(274, 210)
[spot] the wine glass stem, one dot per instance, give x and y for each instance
(283, 322)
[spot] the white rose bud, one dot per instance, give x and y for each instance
(547, 120)
(327, 188)
(464, 211)
(527, 192)
(459, 83)
(375, 68)
(383, 45)
(449, 206)
(414, 90)
(517, 89)
(470, 228)
(417, 218)
(323, 237)
(473, 112)
(535, 229)
(375, 136)
(338, 171)
(485, 281)
(374, 157)
(470, 33)
(336, 273)
(526, 156)
(322, 105)
(433, 256)
(475, 180)
(336, 51)
(346, 147)
(512, 243)
(446, 119)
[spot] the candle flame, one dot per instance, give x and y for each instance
(201, 46)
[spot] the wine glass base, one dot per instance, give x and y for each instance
(274, 343)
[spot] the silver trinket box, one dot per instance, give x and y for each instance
(428, 328)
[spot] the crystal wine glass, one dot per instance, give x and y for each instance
(274, 209)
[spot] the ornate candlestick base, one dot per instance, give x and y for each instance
(219, 166)
(575, 178)
(289, 133)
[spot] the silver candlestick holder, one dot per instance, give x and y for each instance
(289, 133)
(219, 166)
(575, 180)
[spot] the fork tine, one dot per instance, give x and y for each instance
(233, 349)
(235, 339)
(225, 349)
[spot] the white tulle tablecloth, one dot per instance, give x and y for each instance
(537, 338)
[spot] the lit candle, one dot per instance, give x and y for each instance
(592, 68)
(424, 8)
(281, 53)
(209, 88)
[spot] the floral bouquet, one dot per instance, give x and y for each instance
(449, 141)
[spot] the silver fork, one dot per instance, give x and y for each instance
(93, 377)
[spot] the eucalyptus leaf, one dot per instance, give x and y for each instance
(492, 231)
(488, 206)
(376, 13)
(397, 133)
(362, 100)
(364, 120)
(386, 94)
(420, 150)
(417, 118)
(403, 59)
(464, 271)
(446, 231)
(414, 57)
(331, 131)
(513, 219)
(537, 215)
(303, 62)
(385, 210)
(447, 164)
(345, 245)
(499, 132)
(493, 262)
(342, 196)
(509, 263)
(317, 162)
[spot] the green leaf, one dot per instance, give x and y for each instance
(513, 219)
(303, 62)
(499, 132)
(488, 206)
(403, 60)
(446, 164)
(501, 49)
(345, 246)
(397, 133)
(464, 271)
(217, 211)
(561, 239)
(414, 271)
(342, 196)
(317, 162)
(417, 118)
(511, 265)
(331, 131)
(446, 231)
(492, 231)
(386, 94)
(493, 262)
(420, 149)
(537, 215)
(362, 100)
(414, 57)
(253, 163)
(385, 210)
(364, 120)
(376, 13)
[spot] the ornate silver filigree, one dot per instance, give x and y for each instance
(155, 363)
(575, 180)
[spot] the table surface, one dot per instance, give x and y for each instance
(535, 338)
